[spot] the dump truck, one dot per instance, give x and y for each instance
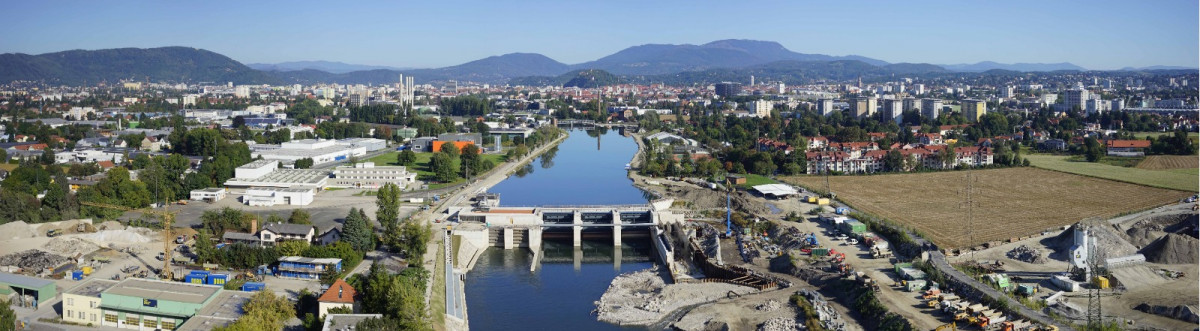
(880, 253)
(990, 318)
(54, 233)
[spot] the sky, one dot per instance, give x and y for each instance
(1097, 34)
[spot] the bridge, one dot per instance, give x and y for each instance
(592, 124)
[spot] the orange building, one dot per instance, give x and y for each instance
(437, 145)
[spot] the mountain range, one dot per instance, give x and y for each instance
(715, 61)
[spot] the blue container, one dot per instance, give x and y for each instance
(217, 279)
(77, 274)
(196, 277)
(252, 286)
(842, 210)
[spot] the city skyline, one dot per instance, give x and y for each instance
(1101, 35)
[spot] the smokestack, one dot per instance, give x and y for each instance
(253, 225)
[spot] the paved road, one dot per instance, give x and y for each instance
(454, 304)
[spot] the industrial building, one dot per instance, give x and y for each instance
(306, 267)
(81, 304)
(211, 194)
(266, 173)
(223, 310)
(29, 291)
(270, 196)
(138, 303)
(319, 150)
(367, 175)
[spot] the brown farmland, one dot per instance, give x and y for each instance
(1010, 202)
(1160, 162)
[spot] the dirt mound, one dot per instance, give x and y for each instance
(1173, 248)
(1142, 237)
(1109, 240)
(1027, 254)
(17, 230)
(780, 324)
(117, 236)
(111, 225)
(1180, 312)
(33, 260)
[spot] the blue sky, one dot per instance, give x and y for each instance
(1094, 34)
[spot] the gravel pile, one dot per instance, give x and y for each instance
(1027, 254)
(117, 236)
(33, 260)
(1180, 312)
(770, 305)
(17, 230)
(642, 298)
(780, 324)
(1173, 248)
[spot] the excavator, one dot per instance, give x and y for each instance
(167, 217)
(952, 326)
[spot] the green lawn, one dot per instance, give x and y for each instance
(421, 167)
(754, 180)
(1177, 179)
(1142, 135)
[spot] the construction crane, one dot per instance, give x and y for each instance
(167, 217)
(728, 208)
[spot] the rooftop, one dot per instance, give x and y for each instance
(162, 290)
(339, 292)
(281, 228)
(92, 287)
(776, 189)
(301, 259)
(258, 164)
(24, 281)
(284, 177)
(340, 322)
(224, 309)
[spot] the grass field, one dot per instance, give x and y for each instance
(1163, 162)
(1195, 136)
(1009, 202)
(422, 168)
(753, 180)
(1181, 180)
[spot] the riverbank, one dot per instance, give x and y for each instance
(642, 298)
(439, 286)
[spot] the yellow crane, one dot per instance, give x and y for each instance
(167, 217)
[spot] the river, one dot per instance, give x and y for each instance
(588, 168)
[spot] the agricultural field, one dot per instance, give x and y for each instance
(1178, 179)
(1163, 162)
(1009, 203)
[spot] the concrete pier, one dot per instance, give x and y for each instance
(508, 238)
(616, 228)
(577, 229)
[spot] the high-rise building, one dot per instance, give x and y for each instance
(912, 104)
(728, 90)
(918, 89)
(761, 108)
(241, 91)
(782, 88)
(893, 109)
(825, 107)
(751, 80)
(1007, 92)
(864, 106)
(451, 87)
(931, 108)
(1076, 98)
(974, 109)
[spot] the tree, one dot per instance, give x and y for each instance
(292, 247)
(450, 148)
(300, 216)
(304, 163)
(358, 232)
(406, 158)
(415, 239)
(8, 318)
(239, 122)
(264, 311)
(1092, 149)
(47, 157)
(444, 168)
(894, 161)
(115, 188)
(3, 155)
(387, 199)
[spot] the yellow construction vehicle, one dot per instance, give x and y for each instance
(947, 327)
(166, 216)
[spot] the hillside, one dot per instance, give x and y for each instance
(170, 64)
(656, 59)
(790, 72)
(326, 66)
(1022, 67)
(585, 78)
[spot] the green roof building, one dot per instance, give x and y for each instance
(29, 290)
(137, 303)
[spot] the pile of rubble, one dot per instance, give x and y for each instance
(1027, 254)
(1181, 312)
(33, 260)
(642, 298)
(70, 246)
(780, 324)
(770, 305)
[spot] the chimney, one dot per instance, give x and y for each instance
(339, 292)
(253, 225)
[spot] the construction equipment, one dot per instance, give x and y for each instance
(947, 327)
(931, 293)
(167, 217)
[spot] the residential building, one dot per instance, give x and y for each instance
(893, 110)
(274, 233)
(974, 109)
(728, 90)
(768, 145)
(761, 108)
(306, 267)
(931, 108)
(825, 107)
(342, 322)
(339, 295)
(1076, 98)
(1127, 147)
(864, 107)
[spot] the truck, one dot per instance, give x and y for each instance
(54, 233)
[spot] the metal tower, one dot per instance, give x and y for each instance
(1095, 314)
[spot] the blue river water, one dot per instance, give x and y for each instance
(501, 291)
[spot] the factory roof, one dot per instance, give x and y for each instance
(776, 190)
(161, 290)
(24, 281)
(92, 287)
(301, 259)
(284, 177)
(226, 308)
(258, 164)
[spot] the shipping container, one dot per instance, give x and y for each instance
(853, 226)
(196, 277)
(915, 285)
(1064, 283)
(253, 286)
(217, 279)
(1101, 282)
(77, 275)
(842, 210)
(823, 201)
(812, 199)
(820, 252)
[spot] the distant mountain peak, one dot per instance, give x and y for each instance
(983, 66)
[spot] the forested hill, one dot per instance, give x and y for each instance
(172, 64)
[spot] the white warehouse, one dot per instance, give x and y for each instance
(319, 150)
(270, 196)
